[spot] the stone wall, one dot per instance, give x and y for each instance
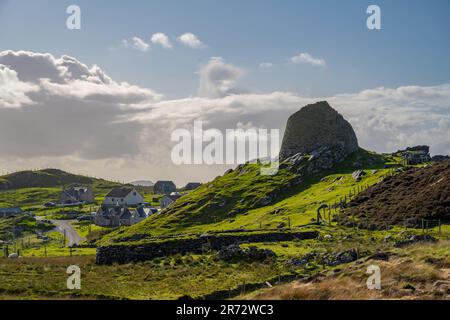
(148, 251)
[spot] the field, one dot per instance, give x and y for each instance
(205, 275)
(421, 271)
(40, 272)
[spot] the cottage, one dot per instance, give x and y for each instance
(164, 187)
(192, 185)
(10, 212)
(167, 200)
(123, 197)
(115, 216)
(77, 194)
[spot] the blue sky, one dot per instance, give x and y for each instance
(411, 48)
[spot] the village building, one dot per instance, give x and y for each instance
(164, 187)
(77, 194)
(115, 216)
(167, 200)
(10, 212)
(123, 197)
(415, 155)
(192, 185)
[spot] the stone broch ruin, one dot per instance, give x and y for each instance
(316, 126)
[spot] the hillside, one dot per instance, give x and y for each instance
(41, 178)
(318, 155)
(243, 198)
(404, 199)
(30, 188)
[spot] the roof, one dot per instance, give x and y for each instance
(119, 192)
(165, 183)
(193, 185)
(172, 197)
(111, 211)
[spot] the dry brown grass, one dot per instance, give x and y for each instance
(409, 274)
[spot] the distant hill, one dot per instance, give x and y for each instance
(46, 178)
(142, 183)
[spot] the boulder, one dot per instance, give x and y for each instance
(316, 126)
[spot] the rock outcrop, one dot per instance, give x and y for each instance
(316, 126)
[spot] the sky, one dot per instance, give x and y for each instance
(103, 100)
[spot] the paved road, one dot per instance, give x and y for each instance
(71, 235)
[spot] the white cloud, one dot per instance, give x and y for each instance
(136, 43)
(218, 79)
(162, 39)
(266, 65)
(308, 59)
(13, 92)
(191, 40)
(66, 108)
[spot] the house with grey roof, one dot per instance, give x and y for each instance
(192, 185)
(167, 200)
(164, 187)
(115, 216)
(125, 196)
(77, 194)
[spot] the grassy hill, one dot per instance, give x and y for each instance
(245, 199)
(42, 179)
(33, 188)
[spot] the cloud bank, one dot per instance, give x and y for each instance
(59, 112)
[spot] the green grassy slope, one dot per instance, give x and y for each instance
(23, 225)
(233, 200)
(28, 189)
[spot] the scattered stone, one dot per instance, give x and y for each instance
(13, 256)
(409, 287)
(328, 237)
(236, 253)
(264, 201)
(414, 239)
(334, 259)
(309, 257)
(440, 158)
(384, 256)
(281, 225)
(347, 237)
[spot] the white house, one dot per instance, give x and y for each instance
(123, 197)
